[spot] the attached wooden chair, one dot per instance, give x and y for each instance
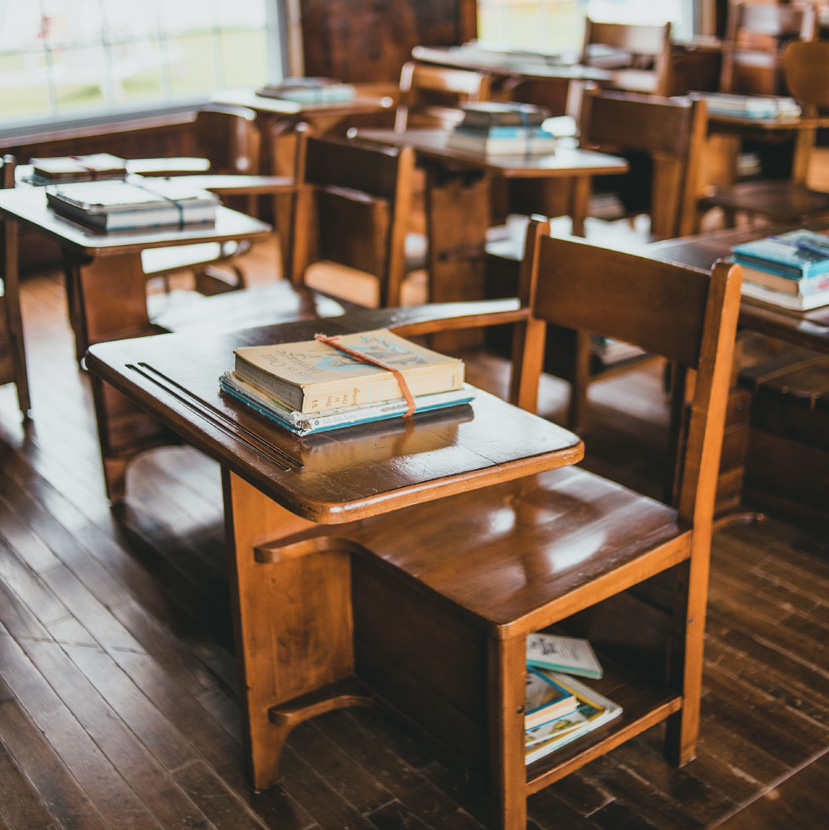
(350, 209)
(638, 56)
(789, 200)
(756, 36)
(664, 138)
(444, 593)
(12, 350)
(430, 95)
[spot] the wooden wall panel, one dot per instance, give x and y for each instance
(369, 40)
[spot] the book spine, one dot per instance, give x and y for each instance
(309, 424)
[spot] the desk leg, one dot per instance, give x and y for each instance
(292, 621)
(107, 299)
(457, 216)
(507, 659)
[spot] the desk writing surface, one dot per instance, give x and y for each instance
(335, 476)
(28, 205)
(808, 328)
(564, 162)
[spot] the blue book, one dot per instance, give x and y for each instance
(308, 423)
(797, 254)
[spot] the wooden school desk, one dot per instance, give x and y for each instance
(106, 285)
(292, 610)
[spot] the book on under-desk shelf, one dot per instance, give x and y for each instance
(545, 699)
(121, 205)
(571, 655)
(790, 270)
(312, 376)
(593, 710)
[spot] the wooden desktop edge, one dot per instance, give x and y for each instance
(116, 363)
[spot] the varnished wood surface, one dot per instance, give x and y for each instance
(117, 704)
(334, 476)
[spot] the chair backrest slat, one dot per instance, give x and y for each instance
(351, 208)
(671, 131)
(654, 305)
(684, 314)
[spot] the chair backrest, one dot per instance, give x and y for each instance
(671, 131)
(229, 137)
(430, 95)
(756, 35)
(684, 314)
(352, 208)
(637, 55)
(806, 71)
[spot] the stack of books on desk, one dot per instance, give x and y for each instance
(93, 167)
(503, 128)
(790, 270)
(750, 106)
(574, 709)
(135, 205)
(309, 90)
(310, 386)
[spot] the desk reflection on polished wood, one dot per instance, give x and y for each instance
(292, 605)
(809, 329)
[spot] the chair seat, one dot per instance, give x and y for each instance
(504, 553)
(778, 200)
(257, 306)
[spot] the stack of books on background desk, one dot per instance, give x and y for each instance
(559, 709)
(310, 386)
(93, 167)
(309, 90)
(750, 106)
(134, 205)
(502, 128)
(790, 270)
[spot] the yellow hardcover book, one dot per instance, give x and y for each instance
(311, 376)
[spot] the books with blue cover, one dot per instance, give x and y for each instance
(593, 710)
(750, 106)
(572, 655)
(797, 254)
(545, 699)
(313, 376)
(303, 423)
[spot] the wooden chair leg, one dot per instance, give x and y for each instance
(507, 696)
(577, 410)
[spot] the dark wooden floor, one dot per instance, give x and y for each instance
(117, 699)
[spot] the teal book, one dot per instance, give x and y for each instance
(797, 254)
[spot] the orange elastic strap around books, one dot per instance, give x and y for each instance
(93, 171)
(398, 375)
